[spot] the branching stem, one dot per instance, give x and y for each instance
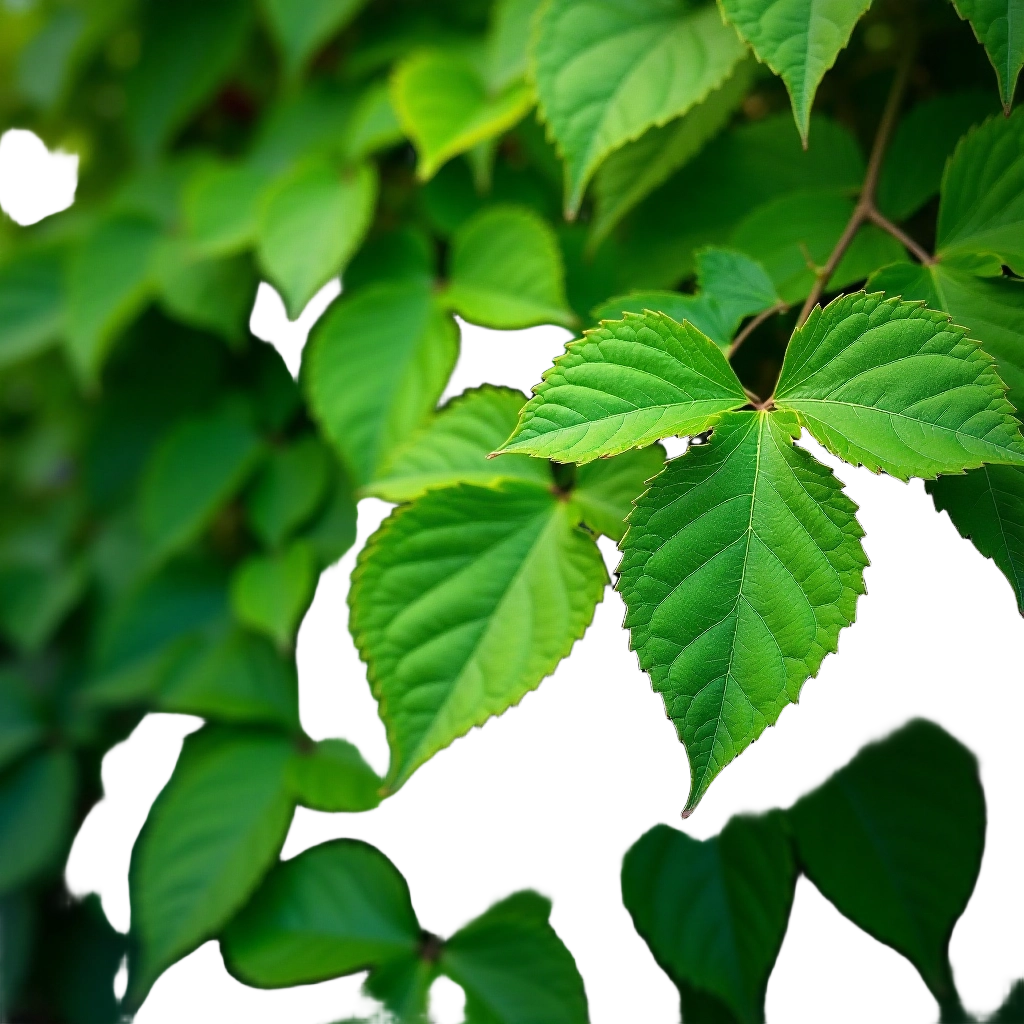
(779, 307)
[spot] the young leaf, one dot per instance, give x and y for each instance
(31, 305)
(798, 39)
(740, 566)
(625, 385)
(302, 27)
(997, 26)
(987, 507)
(374, 368)
(462, 603)
(607, 70)
(270, 593)
(714, 913)
(221, 207)
(894, 386)
(513, 966)
(453, 448)
(894, 839)
(338, 908)
(210, 837)
(506, 271)
(444, 106)
(312, 222)
(605, 488)
(332, 776)
(982, 205)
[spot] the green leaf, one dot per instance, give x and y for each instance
(332, 776)
(210, 837)
(221, 207)
(606, 488)
(375, 367)
(635, 170)
(513, 966)
(333, 531)
(714, 913)
(31, 305)
(303, 26)
(270, 593)
(109, 282)
(444, 106)
(454, 447)
(699, 310)
(998, 27)
(1012, 1009)
(289, 489)
(197, 467)
(624, 385)
(894, 386)
(338, 908)
(37, 798)
(462, 602)
(798, 39)
(982, 205)
(987, 507)
(36, 594)
(374, 124)
(508, 41)
(741, 565)
(506, 271)
(794, 235)
(20, 727)
(312, 221)
(238, 678)
(894, 839)
(607, 70)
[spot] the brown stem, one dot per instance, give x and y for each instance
(779, 307)
(879, 218)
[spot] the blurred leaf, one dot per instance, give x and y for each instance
(374, 124)
(302, 26)
(221, 207)
(17, 938)
(301, 124)
(606, 488)
(35, 597)
(332, 776)
(997, 27)
(1012, 1010)
(333, 531)
(31, 305)
(508, 41)
(20, 727)
(270, 593)
(338, 908)
(403, 254)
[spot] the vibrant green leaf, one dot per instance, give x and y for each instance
(221, 207)
(798, 39)
(999, 27)
(210, 837)
(332, 776)
(20, 727)
(987, 507)
(302, 26)
(508, 41)
(312, 222)
(37, 797)
(453, 448)
(714, 913)
(338, 908)
(894, 386)
(606, 488)
(374, 368)
(462, 603)
(270, 593)
(894, 839)
(624, 385)
(374, 124)
(31, 305)
(197, 467)
(698, 310)
(740, 566)
(982, 205)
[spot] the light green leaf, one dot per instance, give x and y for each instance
(607, 70)
(508, 41)
(221, 206)
(444, 106)
(453, 448)
(740, 566)
(31, 304)
(109, 282)
(374, 123)
(999, 27)
(270, 593)
(302, 26)
(462, 602)
(987, 507)
(210, 837)
(634, 171)
(37, 805)
(798, 39)
(513, 966)
(332, 776)
(312, 221)
(982, 205)
(894, 386)
(336, 909)
(606, 488)
(289, 489)
(506, 271)
(197, 467)
(714, 913)
(375, 367)
(624, 385)
(894, 839)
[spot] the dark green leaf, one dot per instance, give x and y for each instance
(31, 305)
(333, 531)
(997, 26)
(270, 593)
(332, 776)
(36, 595)
(20, 726)
(404, 254)
(606, 488)
(221, 207)
(1012, 1010)
(302, 27)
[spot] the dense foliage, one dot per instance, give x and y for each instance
(629, 169)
